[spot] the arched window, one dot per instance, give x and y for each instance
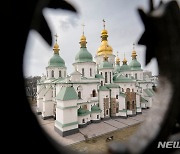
(135, 75)
(47, 73)
(132, 90)
(122, 90)
(52, 74)
(90, 72)
(106, 112)
(97, 116)
(79, 94)
(105, 77)
(83, 120)
(126, 75)
(101, 83)
(127, 90)
(128, 105)
(110, 77)
(60, 74)
(117, 110)
(94, 93)
(116, 96)
(82, 71)
(101, 73)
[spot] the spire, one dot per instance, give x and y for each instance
(56, 46)
(124, 60)
(117, 59)
(83, 38)
(133, 52)
(104, 33)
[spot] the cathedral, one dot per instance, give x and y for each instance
(95, 90)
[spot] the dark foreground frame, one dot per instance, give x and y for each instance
(162, 37)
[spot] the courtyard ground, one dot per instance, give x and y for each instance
(120, 129)
(99, 144)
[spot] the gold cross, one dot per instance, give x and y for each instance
(117, 53)
(104, 23)
(56, 37)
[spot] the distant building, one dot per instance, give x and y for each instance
(96, 90)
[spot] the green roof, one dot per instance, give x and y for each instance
(148, 92)
(67, 93)
(83, 55)
(135, 65)
(143, 99)
(112, 85)
(103, 88)
(125, 68)
(56, 61)
(117, 68)
(106, 64)
(98, 76)
(83, 112)
(95, 108)
(122, 94)
(121, 78)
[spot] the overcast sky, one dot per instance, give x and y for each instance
(122, 23)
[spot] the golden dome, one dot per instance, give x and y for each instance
(104, 49)
(83, 38)
(83, 41)
(104, 32)
(56, 48)
(117, 60)
(133, 55)
(125, 60)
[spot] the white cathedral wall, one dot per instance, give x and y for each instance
(75, 78)
(122, 107)
(48, 107)
(99, 59)
(138, 104)
(39, 105)
(69, 103)
(63, 129)
(149, 104)
(102, 95)
(125, 85)
(87, 66)
(114, 92)
(65, 116)
(86, 118)
(139, 74)
(122, 103)
(128, 73)
(56, 72)
(70, 115)
(146, 85)
(94, 116)
(86, 91)
(48, 104)
(108, 75)
(143, 105)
